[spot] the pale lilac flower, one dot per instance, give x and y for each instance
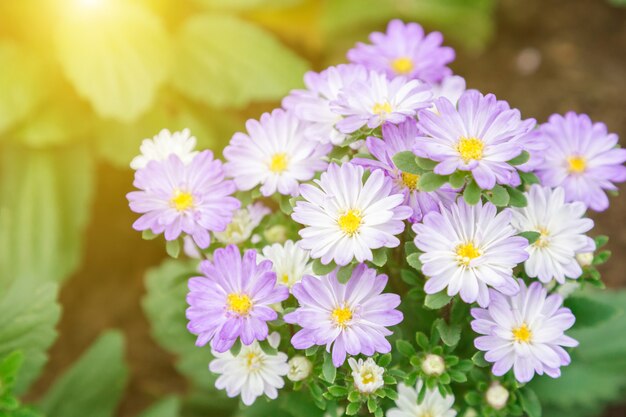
(377, 100)
(275, 154)
(583, 158)
(351, 318)
(405, 50)
(176, 198)
(562, 226)
(399, 138)
(451, 87)
(244, 221)
(480, 136)
(433, 404)
(345, 218)
(232, 300)
(524, 332)
(312, 105)
(467, 248)
(164, 144)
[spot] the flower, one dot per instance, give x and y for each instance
(299, 368)
(433, 404)
(312, 105)
(163, 145)
(251, 372)
(561, 226)
(480, 136)
(274, 154)
(352, 318)
(368, 376)
(379, 100)
(242, 225)
(232, 299)
(497, 396)
(346, 219)
(289, 262)
(175, 198)
(584, 259)
(466, 248)
(433, 364)
(583, 159)
(405, 50)
(451, 87)
(399, 138)
(524, 332)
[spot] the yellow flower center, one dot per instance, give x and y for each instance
(543, 240)
(341, 316)
(466, 252)
(182, 201)
(470, 148)
(367, 376)
(426, 413)
(577, 164)
(381, 108)
(410, 180)
(254, 361)
(239, 304)
(402, 65)
(350, 222)
(522, 334)
(278, 163)
(285, 278)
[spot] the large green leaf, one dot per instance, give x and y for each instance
(93, 385)
(225, 61)
(115, 53)
(29, 313)
(167, 407)
(44, 208)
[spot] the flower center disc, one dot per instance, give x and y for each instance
(350, 222)
(367, 376)
(278, 163)
(410, 180)
(402, 65)
(576, 164)
(182, 200)
(466, 252)
(239, 304)
(470, 148)
(341, 316)
(522, 334)
(381, 108)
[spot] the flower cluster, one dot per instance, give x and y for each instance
(387, 239)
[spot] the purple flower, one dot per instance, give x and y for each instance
(233, 299)
(405, 50)
(351, 317)
(180, 198)
(524, 332)
(480, 136)
(399, 138)
(583, 159)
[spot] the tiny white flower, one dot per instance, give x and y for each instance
(299, 368)
(433, 365)
(244, 222)
(368, 376)
(252, 372)
(584, 259)
(163, 145)
(289, 262)
(497, 396)
(433, 405)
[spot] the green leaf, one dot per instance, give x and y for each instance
(225, 61)
(116, 60)
(600, 241)
(172, 247)
(430, 181)
(328, 369)
(528, 178)
(285, 205)
(530, 236)
(498, 196)
(589, 311)
(471, 194)
(320, 269)
(167, 407)
(405, 348)
(414, 261)
(426, 164)
(93, 385)
(405, 162)
(450, 333)
(520, 159)
(379, 257)
(372, 406)
(457, 180)
(479, 359)
(9, 368)
(384, 360)
(436, 301)
(345, 272)
(518, 199)
(530, 402)
(29, 314)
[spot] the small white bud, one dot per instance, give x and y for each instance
(470, 413)
(299, 368)
(368, 376)
(497, 396)
(276, 234)
(584, 259)
(433, 365)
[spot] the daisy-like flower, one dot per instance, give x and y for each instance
(275, 154)
(583, 159)
(480, 136)
(377, 100)
(244, 221)
(467, 248)
(312, 105)
(232, 300)
(175, 198)
(562, 226)
(524, 332)
(163, 145)
(399, 138)
(345, 219)
(252, 372)
(351, 318)
(299, 368)
(405, 50)
(433, 404)
(289, 262)
(368, 376)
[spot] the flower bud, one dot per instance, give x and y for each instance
(433, 365)
(276, 234)
(368, 376)
(497, 396)
(299, 368)
(584, 259)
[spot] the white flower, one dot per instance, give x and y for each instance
(497, 396)
(368, 376)
(163, 145)
(275, 154)
(562, 227)
(244, 222)
(433, 365)
(289, 262)
(252, 372)
(451, 87)
(299, 368)
(275, 234)
(433, 405)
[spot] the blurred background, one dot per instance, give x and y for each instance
(82, 82)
